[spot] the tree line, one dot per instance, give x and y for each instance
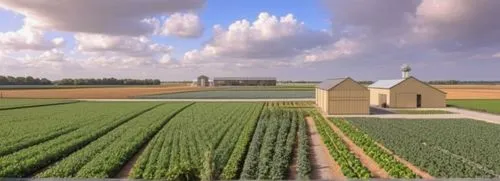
(108, 81)
(29, 80)
(460, 82)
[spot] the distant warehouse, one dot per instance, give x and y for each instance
(244, 81)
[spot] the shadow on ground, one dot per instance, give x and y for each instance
(376, 110)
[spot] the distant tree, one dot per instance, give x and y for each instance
(109, 81)
(29, 80)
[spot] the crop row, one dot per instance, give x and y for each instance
(31, 159)
(349, 164)
(290, 104)
(198, 142)
(7, 104)
(105, 156)
(17, 131)
(235, 162)
(303, 159)
(270, 152)
(443, 148)
(303, 163)
(384, 159)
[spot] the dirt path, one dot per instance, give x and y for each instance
(127, 168)
(322, 163)
(412, 167)
(368, 162)
(292, 170)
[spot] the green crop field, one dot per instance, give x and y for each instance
(230, 140)
(384, 159)
(491, 106)
(444, 148)
(23, 103)
(173, 141)
(402, 111)
(236, 94)
(349, 164)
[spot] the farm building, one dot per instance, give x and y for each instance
(244, 81)
(202, 81)
(406, 93)
(342, 96)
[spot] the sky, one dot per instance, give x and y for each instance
(290, 40)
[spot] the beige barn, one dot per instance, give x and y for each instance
(342, 96)
(406, 93)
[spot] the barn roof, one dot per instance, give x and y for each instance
(386, 84)
(330, 83)
(244, 78)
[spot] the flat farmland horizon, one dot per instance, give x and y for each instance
(95, 93)
(470, 91)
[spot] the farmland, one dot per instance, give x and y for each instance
(235, 94)
(444, 148)
(170, 140)
(471, 91)
(39, 146)
(232, 140)
(23, 103)
(110, 92)
(490, 106)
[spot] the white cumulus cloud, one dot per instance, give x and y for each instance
(28, 38)
(268, 37)
(183, 25)
(116, 17)
(125, 45)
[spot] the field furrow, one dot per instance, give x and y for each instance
(104, 156)
(443, 148)
(203, 135)
(31, 159)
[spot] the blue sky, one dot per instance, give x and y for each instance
(296, 39)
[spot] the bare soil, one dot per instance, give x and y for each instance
(322, 163)
(412, 167)
(95, 93)
(470, 91)
(292, 169)
(367, 161)
(127, 168)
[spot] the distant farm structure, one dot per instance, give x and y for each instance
(204, 81)
(245, 81)
(407, 92)
(346, 96)
(342, 96)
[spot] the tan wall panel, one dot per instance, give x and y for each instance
(349, 107)
(405, 100)
(374, 98)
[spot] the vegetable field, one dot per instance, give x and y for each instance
(233, 140)
(30, 141)
(444, 148)
(173, 141)
(24, 103)
(348, 162)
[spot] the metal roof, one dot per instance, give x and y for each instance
(330, 83)
(244, 78)
(386, 84)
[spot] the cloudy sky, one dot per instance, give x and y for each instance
(292, 39)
